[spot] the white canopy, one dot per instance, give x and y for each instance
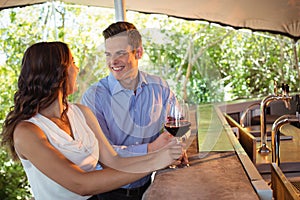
(277, 16)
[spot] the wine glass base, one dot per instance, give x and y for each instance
(179, 166)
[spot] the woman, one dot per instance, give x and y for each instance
(59, 143)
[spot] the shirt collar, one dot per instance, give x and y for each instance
(115, 86)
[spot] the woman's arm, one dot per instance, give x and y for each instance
(137, 164)
(31, 143)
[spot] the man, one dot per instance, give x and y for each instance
(129, 104)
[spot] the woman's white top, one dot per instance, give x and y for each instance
(83, 150)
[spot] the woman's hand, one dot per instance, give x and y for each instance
(170, 154)
(160, 142)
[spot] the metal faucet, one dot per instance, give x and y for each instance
(276, 134)
(264, 103)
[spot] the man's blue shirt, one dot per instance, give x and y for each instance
(130, 119)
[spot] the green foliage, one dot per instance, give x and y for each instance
(13, 180)
(223, 62)
(20, 29)
(254, 61)
(202, 62)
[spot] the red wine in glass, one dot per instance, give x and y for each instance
(178, 128)
(177, 122)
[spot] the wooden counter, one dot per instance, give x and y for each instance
(219, 167)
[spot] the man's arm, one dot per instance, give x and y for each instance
(89, 99)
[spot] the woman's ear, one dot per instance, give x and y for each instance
(139, 52)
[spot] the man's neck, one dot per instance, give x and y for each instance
(130, 83)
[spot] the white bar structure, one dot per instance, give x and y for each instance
(120, 12)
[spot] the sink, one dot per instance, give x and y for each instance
(255, 131)
(282, 186)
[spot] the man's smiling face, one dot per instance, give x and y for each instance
(121, 59)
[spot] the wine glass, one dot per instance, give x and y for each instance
(177, 121)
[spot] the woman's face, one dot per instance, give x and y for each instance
(72, 76)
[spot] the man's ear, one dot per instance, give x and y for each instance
(139, 52)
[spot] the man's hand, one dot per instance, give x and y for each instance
(162, 140)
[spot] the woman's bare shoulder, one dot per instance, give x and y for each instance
(90, 118)
(85, 110)
(24, 128)
(26, 134)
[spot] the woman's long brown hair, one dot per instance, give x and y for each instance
(43, 74)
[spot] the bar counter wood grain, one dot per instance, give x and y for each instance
(216, 170)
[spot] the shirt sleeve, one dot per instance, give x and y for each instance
(132, 150)
(122, 150)
(88, 99)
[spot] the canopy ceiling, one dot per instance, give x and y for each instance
(277, 16)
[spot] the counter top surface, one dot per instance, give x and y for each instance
(213, 175)
(215, 172)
